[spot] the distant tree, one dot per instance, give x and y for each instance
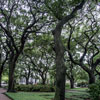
(41, 55)
(86, 43)
(70, 74)
(18, 19)
(4, 53)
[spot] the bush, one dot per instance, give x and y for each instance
(82, 84)
(26, 88)
(67, 86)
(94, 91)
(35, 88)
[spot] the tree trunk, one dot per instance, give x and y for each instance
(60, 67)
(27, 81)
(28, 76)
(1, 71)
(59, 50)
(2, 68)
(35, 80)
(0, 80)
(91, 78)
(11, 77)
(43, 80)
(60, 85)
(12, 64)
(0, 77)
(71, 83)
(0, 62)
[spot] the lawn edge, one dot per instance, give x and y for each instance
(8, 96)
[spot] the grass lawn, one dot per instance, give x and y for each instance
(73, 94)
(80, 89)
(77, 94)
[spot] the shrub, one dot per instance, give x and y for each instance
(47, 89)
(35, 88)
(82, 84)
(26, 88)
(94, 91)
(67, 86)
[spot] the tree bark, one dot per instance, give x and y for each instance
(91, 78)
(71, 83)
(11, 77)
(0, 61)
(12, 65)
(1, 71)
(90, 73)
(0, 80)
(60, 67)
(43, 80)
(27, 81)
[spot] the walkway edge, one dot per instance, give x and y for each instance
(8, 96)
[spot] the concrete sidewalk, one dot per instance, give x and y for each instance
(2, 96)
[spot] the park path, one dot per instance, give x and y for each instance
(2, 96)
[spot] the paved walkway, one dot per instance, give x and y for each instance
(2, 96)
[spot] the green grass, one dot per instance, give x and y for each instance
(77, 95)
(73, 94)
(80, 89)
(30, 96)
